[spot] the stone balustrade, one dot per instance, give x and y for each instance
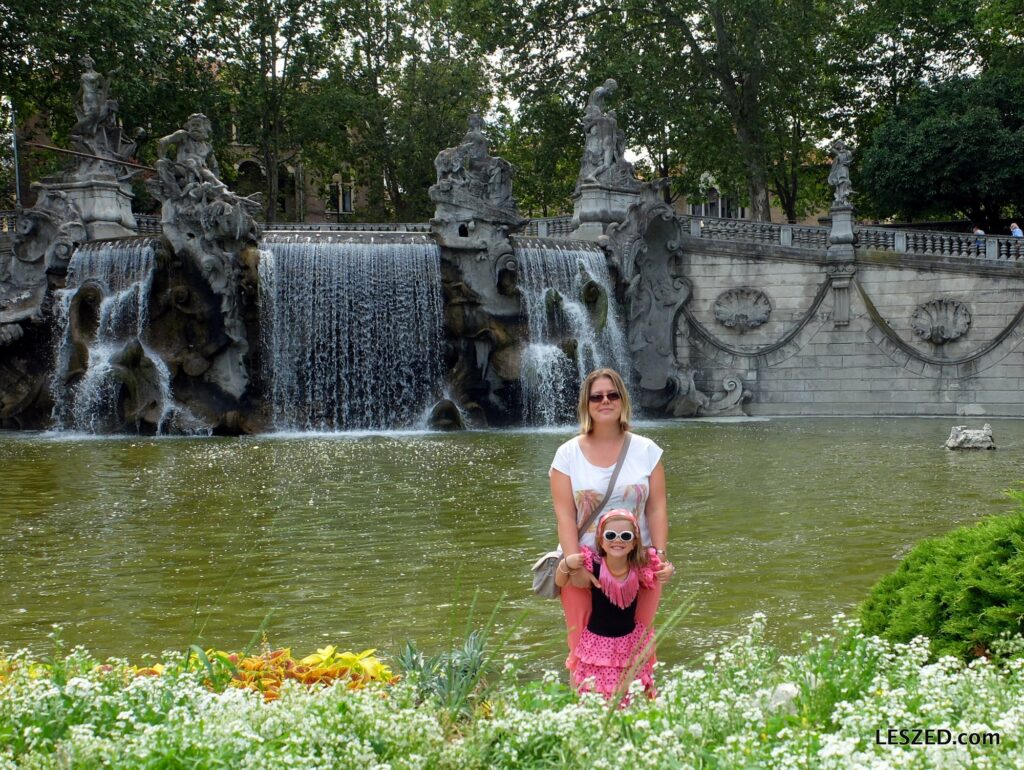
(550, 227)
(737, 230)
(878, 238)
(897, 240)
(148, 224)
(806, 237)
(350, 227)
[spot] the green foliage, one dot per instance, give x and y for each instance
(963, 590)
(836, 669)
(542, 140)
(951, 150)
(451, 679)
(399, 86)
(741, 94)
(160, 51)
(456, 680)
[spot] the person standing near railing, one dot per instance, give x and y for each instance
(1015, 230)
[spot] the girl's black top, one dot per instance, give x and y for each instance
(606, 619)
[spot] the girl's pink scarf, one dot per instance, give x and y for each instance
(621, 593)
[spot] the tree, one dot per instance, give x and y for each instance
(401, 84)
(541, 140)
(884, 52)
(950, 150)
(734, 88)
(271, 53)
(157, 46)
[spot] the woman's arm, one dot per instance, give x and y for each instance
(566, 567)
(565, 512)
(657, 509)
(657, 520)
(568, 533)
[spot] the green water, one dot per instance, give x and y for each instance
(133, 545)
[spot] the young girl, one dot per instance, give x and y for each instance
(614, 643)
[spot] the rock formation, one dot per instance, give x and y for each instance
(962, 437)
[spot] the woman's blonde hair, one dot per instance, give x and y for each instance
(583, 409)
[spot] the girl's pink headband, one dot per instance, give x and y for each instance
(620, 513)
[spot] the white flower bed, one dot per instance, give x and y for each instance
(746, 707)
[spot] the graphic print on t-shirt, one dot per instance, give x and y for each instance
(632, 497)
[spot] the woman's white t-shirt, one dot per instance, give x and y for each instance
(590, 482)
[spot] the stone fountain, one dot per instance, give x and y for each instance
(217, 326)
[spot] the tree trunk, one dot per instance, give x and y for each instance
(270, 159)
(757, 173)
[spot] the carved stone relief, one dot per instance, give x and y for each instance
(941, 320)
(213, 226)
(475, 207)
(742, 308)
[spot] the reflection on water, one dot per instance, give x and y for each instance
(367, 540)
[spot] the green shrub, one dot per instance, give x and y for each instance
(963, 590)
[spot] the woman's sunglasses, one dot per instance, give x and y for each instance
(597, 398)
(625, 537)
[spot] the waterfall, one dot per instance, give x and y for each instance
(573, 323)
(351, 331)
(115, 278)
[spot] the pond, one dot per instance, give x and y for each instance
(138, 545)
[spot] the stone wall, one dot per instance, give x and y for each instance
(800, 362)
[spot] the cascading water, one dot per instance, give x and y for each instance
(573, 324)
(351, 331)
(115, 278)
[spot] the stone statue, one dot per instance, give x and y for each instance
(604, 145)
(598, 97)
(607, 185)
(207, 222)
(93, 106)
(467, 173)
(839, 176)
(98, 178)
(193, 149)
(473, 194)
(97, 132)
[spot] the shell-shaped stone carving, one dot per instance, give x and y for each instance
(743, 308)
(941, 320)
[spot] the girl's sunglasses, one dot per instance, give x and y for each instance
(625, 537)
(597, 398)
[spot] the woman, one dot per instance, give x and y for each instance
(580, 474)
